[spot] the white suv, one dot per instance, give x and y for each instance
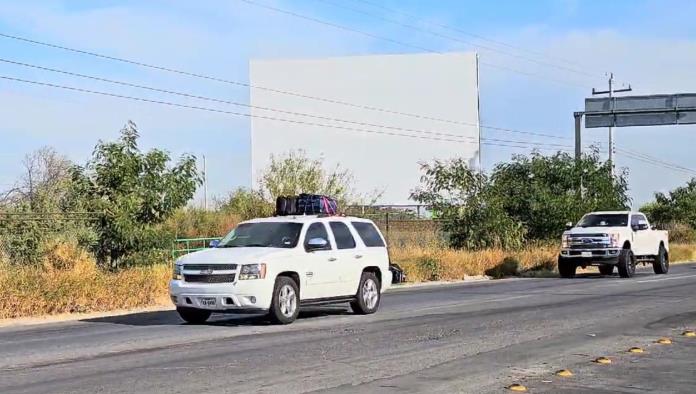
(275, 265)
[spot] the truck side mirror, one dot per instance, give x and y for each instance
(317, 244)
(569, 225)
(214, 243)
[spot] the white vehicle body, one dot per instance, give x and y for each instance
(609, 237)
(217, 279)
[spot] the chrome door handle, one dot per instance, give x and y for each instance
(358, 256)
(332, 259)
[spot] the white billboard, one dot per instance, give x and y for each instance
(431, 86)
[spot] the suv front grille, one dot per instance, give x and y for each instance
(210, 267)
(225, 278)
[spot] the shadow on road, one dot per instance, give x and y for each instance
(164, 318)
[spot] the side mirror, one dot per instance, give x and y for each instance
(214, 243)
(317, 244)
(569, 225)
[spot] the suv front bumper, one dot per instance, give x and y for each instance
(240, 296)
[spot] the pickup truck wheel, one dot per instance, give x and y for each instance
(606, 269)
(285, 305)
(193, 315)
(567, 268)
(368, 296)
(627, 263)
(661, 263)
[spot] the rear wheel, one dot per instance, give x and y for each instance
(285, 305)
(369, 296)
(661, 263)
(627, 263)
(606, 269)
(567, 268)
(193, 315)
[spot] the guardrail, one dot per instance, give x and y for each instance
(183, 246)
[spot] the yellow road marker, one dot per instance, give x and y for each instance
(689, 333)
(564, 373)
(516, 387)
(664, 341)
(602, 360)
(636, 350)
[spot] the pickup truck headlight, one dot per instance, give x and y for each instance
(614, 240)
(565, 241)
(252, 271)
(176, 272)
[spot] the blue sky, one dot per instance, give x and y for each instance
(650, 44)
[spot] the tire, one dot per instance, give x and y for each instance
(606, 269)
(368, 295)
(661, 263)
(567, 268)
(193, 315)
(285, 305)
(627, 263)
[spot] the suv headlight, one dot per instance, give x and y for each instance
(565, 241)
(614, 240)
(176, 272)
(252, 271)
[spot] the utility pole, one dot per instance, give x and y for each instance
(205, 186)
(611, 91)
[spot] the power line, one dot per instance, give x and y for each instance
(655, 161)
(393, 41)
(168, 103)
(461, 31)
(187, 95)
(278, 91)
(456, 39)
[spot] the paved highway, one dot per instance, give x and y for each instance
(473, 338)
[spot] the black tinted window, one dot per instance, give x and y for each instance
(369, 234)
(266, 235)
(604, 220)
(317, 230)
(344, 239)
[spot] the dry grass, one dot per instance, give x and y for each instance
(437, 262)
(682, 252)
(69, 281)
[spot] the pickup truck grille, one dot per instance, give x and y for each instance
(589, 241)
(225, 278)
(210, 267)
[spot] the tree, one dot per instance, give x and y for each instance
(470, 213)
(295, 173)
(677, 206)
(133, 192)
(542, 192)
(247, 204)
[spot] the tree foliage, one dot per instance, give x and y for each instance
(677, 206)
(133, 192)
(528, 198)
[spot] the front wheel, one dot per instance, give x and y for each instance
(285, 305)
(661, 263)
(368, 296)
(567, 268)
(627, 263)
(193, 315)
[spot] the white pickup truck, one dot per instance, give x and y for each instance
(609, 239)
(275, 265)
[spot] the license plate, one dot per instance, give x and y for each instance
(207, 301)
(586, 254)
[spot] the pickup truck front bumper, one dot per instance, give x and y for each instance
(587, 257)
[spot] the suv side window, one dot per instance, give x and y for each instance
(369, 234)
(341, 232)
(635, 219)
(317, 230)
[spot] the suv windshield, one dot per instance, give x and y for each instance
(263, 235)
(606, 220)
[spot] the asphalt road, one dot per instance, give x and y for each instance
(473, 338)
